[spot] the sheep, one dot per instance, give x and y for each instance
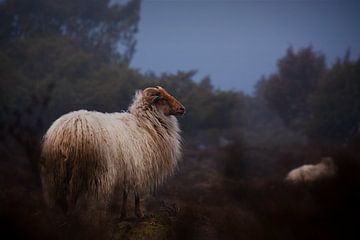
(87, 155)
(311, 173)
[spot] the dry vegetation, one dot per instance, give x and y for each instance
(203, 202)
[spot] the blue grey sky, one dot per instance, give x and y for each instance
(236, 42)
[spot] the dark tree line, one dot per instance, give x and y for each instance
(61, 56)
(47, 47)
(319, 101)
(95, 26)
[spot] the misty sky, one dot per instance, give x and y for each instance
(236, 42)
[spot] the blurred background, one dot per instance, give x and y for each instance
(268, 85)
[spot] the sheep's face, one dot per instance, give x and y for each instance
(163, 101)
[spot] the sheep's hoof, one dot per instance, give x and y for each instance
(139, 213)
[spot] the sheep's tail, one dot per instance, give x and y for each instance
(56, 173)
(72, 166)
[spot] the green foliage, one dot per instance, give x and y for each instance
(52, 54)
(321, 103)
(68, 44)
(287, 91)
(93, 25)
(336, 104)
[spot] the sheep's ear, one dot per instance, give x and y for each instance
(150, 92)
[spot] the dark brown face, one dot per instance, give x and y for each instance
(163, 101)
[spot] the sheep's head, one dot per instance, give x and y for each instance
(327, 161)
(163, 101)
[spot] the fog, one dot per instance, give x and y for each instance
(238, 145)
(237, 42)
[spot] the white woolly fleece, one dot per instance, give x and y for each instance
(87, 154)
(310, 173)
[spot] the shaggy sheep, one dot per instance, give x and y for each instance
(88, 155)
(310, 173)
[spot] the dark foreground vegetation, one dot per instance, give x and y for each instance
(200, 202)
(56, 58)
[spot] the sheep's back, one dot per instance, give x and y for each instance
(311, 173)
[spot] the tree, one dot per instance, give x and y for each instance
(50, 53)
(335, 106)
(321, 103)
(96, 26)
(287, 91)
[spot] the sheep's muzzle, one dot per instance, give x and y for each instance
(180, 111)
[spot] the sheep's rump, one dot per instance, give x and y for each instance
(79, 157)
(76, 159)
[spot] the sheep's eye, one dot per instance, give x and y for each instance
(157, 98)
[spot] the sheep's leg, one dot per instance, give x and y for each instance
(124, 203)
(138, 211)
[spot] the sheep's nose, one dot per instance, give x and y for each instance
(181, 110)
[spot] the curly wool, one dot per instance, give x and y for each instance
(87, 154)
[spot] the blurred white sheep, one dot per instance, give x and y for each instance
(311, 173)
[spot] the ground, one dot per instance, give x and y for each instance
(201, 201)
